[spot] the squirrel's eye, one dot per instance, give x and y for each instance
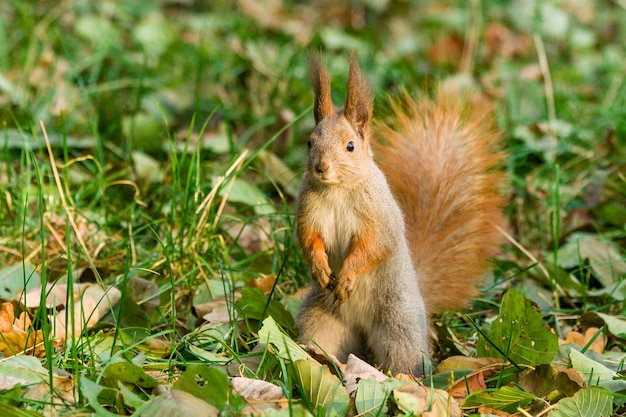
(308, 144)
(350, 146)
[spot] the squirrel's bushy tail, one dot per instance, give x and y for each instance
(443, 160)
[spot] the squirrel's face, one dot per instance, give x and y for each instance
(337, 153)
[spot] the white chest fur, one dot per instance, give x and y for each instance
(337, 222)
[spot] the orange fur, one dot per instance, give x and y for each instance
(365, 254)
(314, 253)
(442, 160)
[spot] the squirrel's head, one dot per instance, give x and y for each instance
(339, 144)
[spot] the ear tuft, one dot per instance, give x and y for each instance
(323, 105)
(360, 101)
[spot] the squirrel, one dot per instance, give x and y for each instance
(397, 222)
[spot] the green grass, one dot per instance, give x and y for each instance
(177, 135)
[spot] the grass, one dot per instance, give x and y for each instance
(156, 147)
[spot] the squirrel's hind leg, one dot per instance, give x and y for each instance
(319, 325)
(399, 342)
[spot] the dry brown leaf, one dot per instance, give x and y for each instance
(357, 369)
(8, 382)
(553, 381)
(447, 50)
(94, 303)
(56, 295)
(7, 316)
(15, 337)
(488, 411)
(598, 344)
(23, 342)
(259, 394)
(265, 284)
(216, 311)
(254, 237)
(324, 358)
(23, 322)
(158, 346)
(64, 392)
(464, 387)
(426, 401)
(502, 42)
(455, 363)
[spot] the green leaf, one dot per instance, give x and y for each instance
(518, 334)
(322, 389)
(127, 373)
(286, 348)
(8, 411)
(295, 410)
(253, 304)
(588, 402)
(506, 399)
(603, 256)
(155, 34)
(595, 373)
(130, 398)
(17, 276)
(22, 370)
(91, 390)
(206, 383)
(372, 395)
(98, 31)
(250, 195)
(175, 403)
(615, 325)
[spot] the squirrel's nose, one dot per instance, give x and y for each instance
(321, 167)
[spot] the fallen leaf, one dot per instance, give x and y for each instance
(265, 283)
(551, 381)
(208, 383)
(502, 42)
(22, 370)
(253, 237)
(371, 396)
(518, 333)
(178, 403)
(7, 316)
(589, 401)
(458, 362)
(17, 336)
(283, 346)
(94, 303)
(64, 392)
(483, 410)
(603, 257)
(146, 293)
(505, 398)
(357, 369)
(447, 50)
(425, 401)
(55, 295)
(464, 387)
(594, 372)
(259, 394)
(215, 311)
(599, 339)
(322, 387)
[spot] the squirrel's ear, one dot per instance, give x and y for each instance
(359, 103)
(321, 86)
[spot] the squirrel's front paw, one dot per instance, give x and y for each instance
(344, 285)
(322, 274)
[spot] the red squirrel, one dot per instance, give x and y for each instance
(396, 221)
